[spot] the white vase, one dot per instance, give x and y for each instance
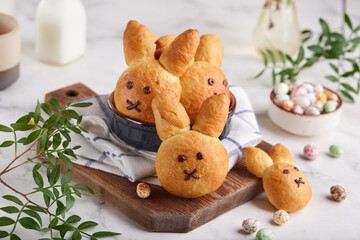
(61, 31)
(278, 28)
(7, 7)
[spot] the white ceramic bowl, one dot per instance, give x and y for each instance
(303, 124)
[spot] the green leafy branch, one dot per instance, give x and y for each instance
(330, 46)
(49, 139)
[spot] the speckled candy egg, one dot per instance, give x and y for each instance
(302, 101)
(309, 87)
(143, 190)
(287, 105)
(298, 109)
(281, 97)
(281, 88)
(338, 193)
(298, 92)
(311, 152)
(264, 234)
(312, 111)
(318, 88)
(321, 97)
(280, 217)
(250, 225)
(335, 151)
(330, 106)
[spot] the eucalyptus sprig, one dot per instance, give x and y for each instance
(337, 49)
(49, 138)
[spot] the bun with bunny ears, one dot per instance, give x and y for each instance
(285, 185)
(147, 77)
(191, 163)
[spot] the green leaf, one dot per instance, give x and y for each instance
(315, 48)
(24, 119)
(300, 56)
(13, 199)
(65, 134)
(6, 144)
(355, 40)
(14, 237)
(55, 175)
(348, 96)
(10, 209)
(73, 219)
(51, 158)
(46, 108)
(273, 77)
(264, 58)
(76, 236)
(271, 55)
(3, 234)
(37, 177)
(32, 136)
(332, 78)
(70, 201)
(65, 188)
(67, 162)
(37, 112)
(47, 192)
(4, 128)
(56, 141)
(22, 140)
(70, 152)
(53, 223)
(75, 129)
(53, 119)
(36, 208)
(65, 144)
(6, 221)
(56, 192)
(335, 68)
(348, 74)
(34, 214)
(324, 26)
(60, 209)
(86, 225)
(83, 188)
(22, 126)
(54, 102)
(63, 229)
(348, 87)
(46, 199)
(289, 59)
(29, 223)
(79, 120)
(44, 140)
(66, 178)
(310, 61)
(282, 57)
(348, 21)
(104, 234)
(71, 113)
(76, 147)
(83, 104)
(260, 73)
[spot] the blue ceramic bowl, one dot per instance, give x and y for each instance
(143, 135)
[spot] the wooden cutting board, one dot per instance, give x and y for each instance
(161, 211)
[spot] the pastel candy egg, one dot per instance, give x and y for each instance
(335, 151)
(264, 234)
(287, 105)
(298, 92)
(302, 101)
(318, 88)
(280, 217)
(281, 97)
(318, 105)
(311, 152)
(250, 225)
(321, 97)
(312, 111)
(281, 88)
(292, 85)
(309, 87)
(143, 190)
(332, 96)
(311, 96)
(298, 109)
(330, 106)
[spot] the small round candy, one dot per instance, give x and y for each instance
(302, 101)
(311, 152)
(311, 96)
(264, 234)
(338, 193)
(281, 97)
(298, 109)
(309, 87)
(318, 88)
(318, 105)
(281, 88)
(250, 225)
(330, 106)
(312, 111)
(287, 105)
(280, 217)
(143, 190)
(298, 92)
(335, 151)
(332, 96)
(321, 97)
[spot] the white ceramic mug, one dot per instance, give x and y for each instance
(9, 50)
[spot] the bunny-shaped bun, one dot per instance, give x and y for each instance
(285, 185)
(191, 163)
(203, 78)
(147, 77)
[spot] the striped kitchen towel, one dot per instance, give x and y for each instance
(102, 150)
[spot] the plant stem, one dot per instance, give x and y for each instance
(17, 219)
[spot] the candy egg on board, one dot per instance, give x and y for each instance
(298, 92)
(281, 97)
(298, 109)
(312, 111)
(250, 225)
(318, 88)
(302, 101)
(143, 190)
(281, 88)
(311, 152)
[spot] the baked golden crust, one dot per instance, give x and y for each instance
(256, 161)
(279, 153)
(142, 75)
(210, 50)
(162, 43)
(196, 87)
(286, 187)
(138, 42)
(170, 116)
(210, 171)
(213, 115)
(177, 57)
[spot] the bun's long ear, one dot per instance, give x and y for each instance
(213, 115)
(210, 50)
(180, 53)
(170, 116)
(162, 43)
(139, 43)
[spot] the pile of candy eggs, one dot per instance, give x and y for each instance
(305, 98)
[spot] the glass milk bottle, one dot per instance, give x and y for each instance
(61, 31)
(278, 28)
(7, 7)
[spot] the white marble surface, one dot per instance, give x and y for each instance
(233, 22)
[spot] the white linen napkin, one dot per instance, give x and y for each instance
(102, 150)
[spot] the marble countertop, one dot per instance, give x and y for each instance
(233, 22)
